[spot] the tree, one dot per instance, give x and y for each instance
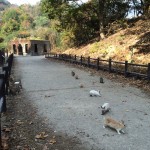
(10, 21)
(41, 21)
(84, 18)
(108, 11)
(140, 7)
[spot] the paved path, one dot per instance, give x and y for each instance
(68, 108)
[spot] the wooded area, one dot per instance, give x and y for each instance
(67, 23)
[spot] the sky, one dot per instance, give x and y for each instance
(32, 2)
(20, 2)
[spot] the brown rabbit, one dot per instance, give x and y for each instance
(110, 122)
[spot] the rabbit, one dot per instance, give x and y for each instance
(101, 80)
(105, 108)
(76, 77)
(110, 122)
(72, 73)
(94, 93)
(14, 87)
(18, 84)
(81, 85)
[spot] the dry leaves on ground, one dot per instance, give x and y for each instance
(41, 135)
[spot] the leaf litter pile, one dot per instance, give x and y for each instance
(23, 129)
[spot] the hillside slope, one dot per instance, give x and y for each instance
(4, 4)
(131, 43)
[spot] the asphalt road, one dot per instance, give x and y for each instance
(69, 109)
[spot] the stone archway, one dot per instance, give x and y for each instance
(14, 49)
(20, 49)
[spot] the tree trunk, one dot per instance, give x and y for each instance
(146, 8)
(101, 19)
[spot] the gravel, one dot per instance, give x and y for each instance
(68, 109)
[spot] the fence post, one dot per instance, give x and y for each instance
(70, 58)
(88, 63)
(81, 60)
(3, 101)
(0, 133)
(5, 68)
(98, 63)
(148, 71)
(110, 65)
(126, 69)
(2, 92)
(75, 58)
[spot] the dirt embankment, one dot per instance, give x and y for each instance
(130, 42)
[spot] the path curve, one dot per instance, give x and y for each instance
(69, 109)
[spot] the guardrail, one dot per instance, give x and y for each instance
(5, 72)
(125, 68)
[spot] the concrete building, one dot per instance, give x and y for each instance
(30, 47)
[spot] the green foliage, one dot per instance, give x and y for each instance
(66, 23)
(23, 34)
(3, 46)
(15, 23)
(82, 21)
(10, 26)
(1, 39)
(11, 21)
(66, 39)
(41, 21)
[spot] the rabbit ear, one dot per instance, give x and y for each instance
(122, 122)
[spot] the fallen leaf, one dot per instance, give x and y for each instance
(7, 129)
(26, 147)
(31, 122)
(19, 122)
(45, 148)
(5, 146)
(52, 141)
(19, 147)
(41, 135)
(5, 138)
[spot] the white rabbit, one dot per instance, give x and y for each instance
(105, 108)
(94, 93)
(18, 84)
